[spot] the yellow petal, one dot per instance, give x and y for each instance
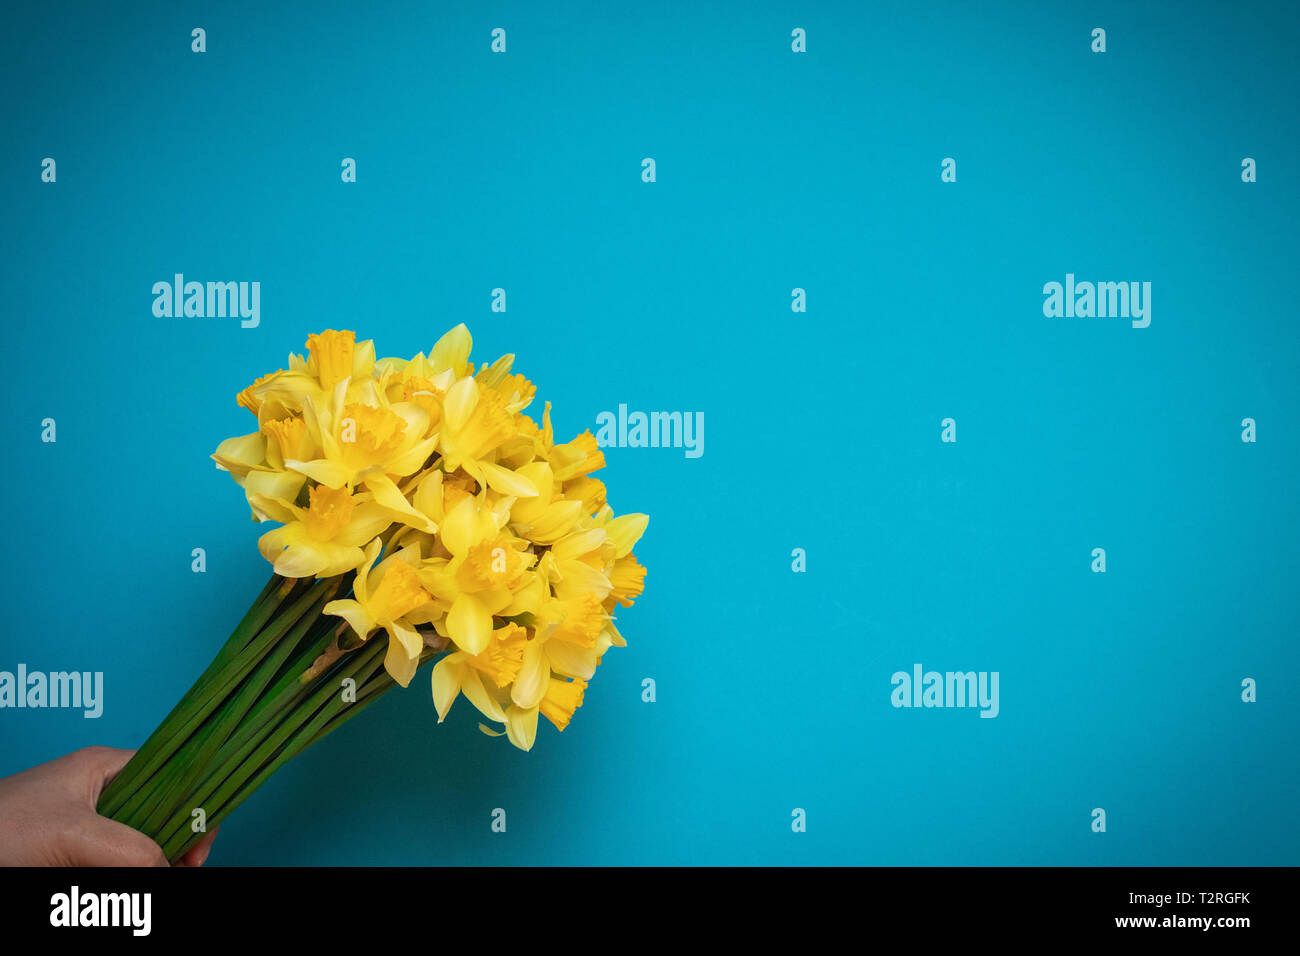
(328, 473)
(339, 559)
(284, 485)
(361, 586)
(302, 557)
(553, 523)
(400, 666)
(237, 455)
(272, 543)
(368, 520)
(572, 660)
(527, 599)
(473, 689)
(352, 612)
(521, 726)
(363, 359)
(447, 675)
(530, 686)
(579, 543)
(625, 531)
(410, 461)
(452, 351)
(416, 418)
(408, 637)
(389, 496)
(458, 527)
(507, 482)
(469, 624)
(266, 508)
(459, 404)
(580, 578)
(428, 495)
(539, 473)
(610, 637)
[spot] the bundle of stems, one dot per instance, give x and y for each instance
(287, 677)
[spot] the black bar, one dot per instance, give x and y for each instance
(333, 906)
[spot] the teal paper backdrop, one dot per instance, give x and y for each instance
(775, 170)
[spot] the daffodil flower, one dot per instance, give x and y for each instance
(557, 704)
(473, 674)
(476, 420)
(548, 516)
(382, 597)
(325, 538)
(245, 458)
(499, 539)
(479, 578)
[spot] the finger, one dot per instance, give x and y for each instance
(197, 855)
(100, 765)
(105, 842)
(111, 760)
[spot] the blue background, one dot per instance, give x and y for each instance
(775, 171)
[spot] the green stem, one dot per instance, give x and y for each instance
(144, 762)
(146, 791)
(290, 737)
(253, 731)
(228, 718)
(267, 696)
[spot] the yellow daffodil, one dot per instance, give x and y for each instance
(245, 457)
(382, 598)
(476, 420)
(479, 579)
(557, 704)
(470, 674)
(325, 538)
(499, 543)
(332, 358)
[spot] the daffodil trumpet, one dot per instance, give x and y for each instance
(419, 515)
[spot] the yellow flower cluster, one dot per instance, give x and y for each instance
(497, 543)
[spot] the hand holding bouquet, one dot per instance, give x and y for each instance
(421, 514)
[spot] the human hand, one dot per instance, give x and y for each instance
(48, 817)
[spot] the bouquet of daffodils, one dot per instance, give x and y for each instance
(420, 514)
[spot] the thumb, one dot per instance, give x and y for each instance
(106, 842)
(94, 767)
